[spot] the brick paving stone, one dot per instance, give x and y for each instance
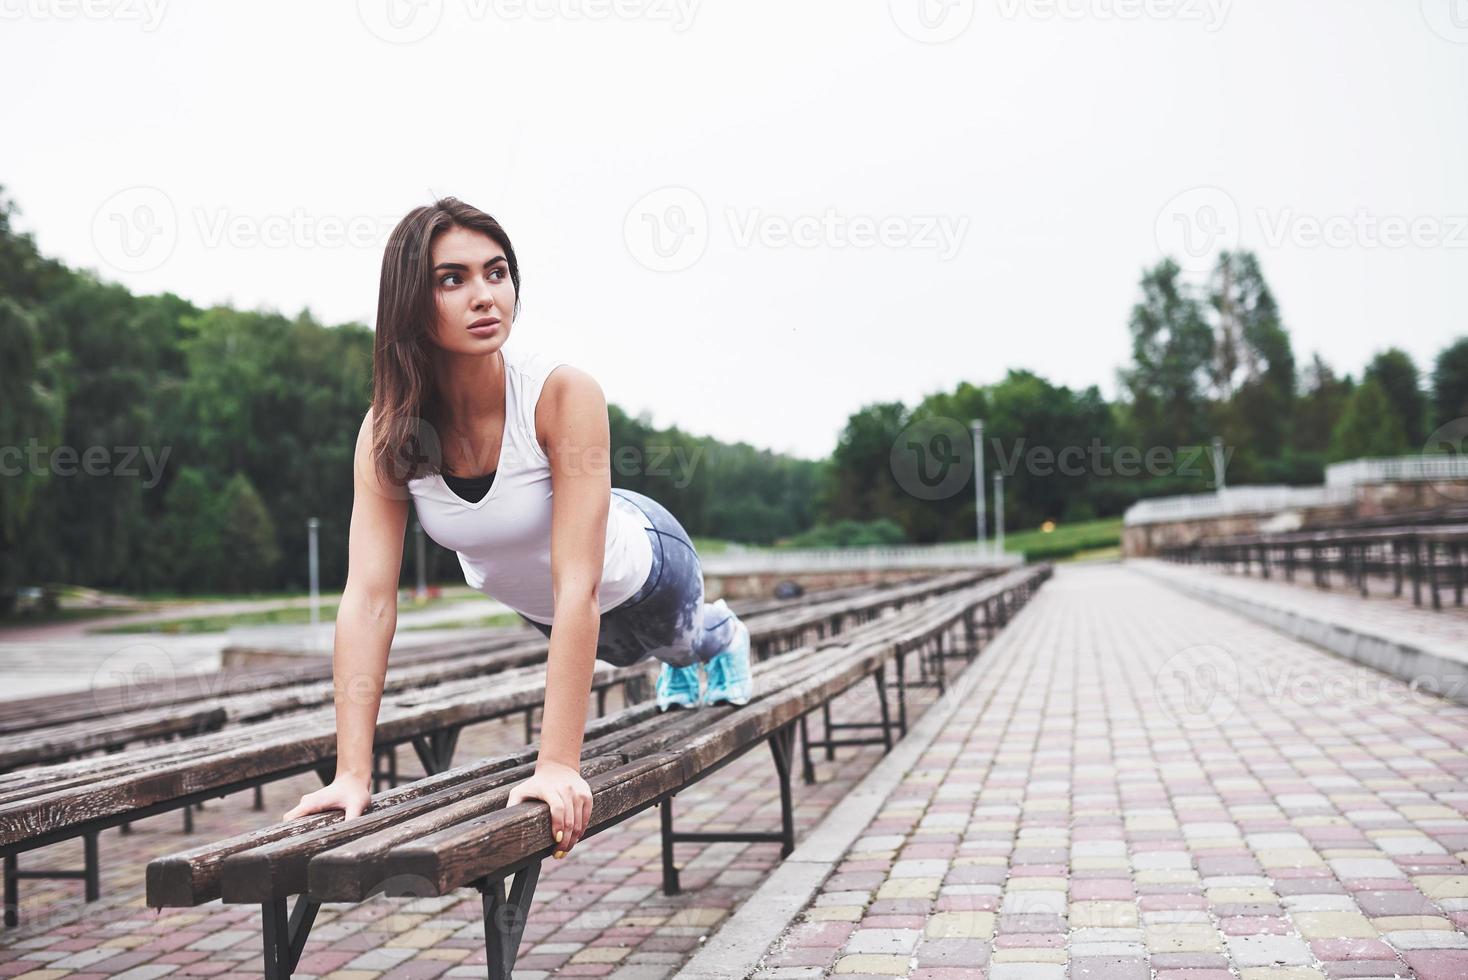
(1172, 790)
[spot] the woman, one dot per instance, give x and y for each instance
(603, 573)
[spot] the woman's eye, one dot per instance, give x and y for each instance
(497, 274)
(444, 281)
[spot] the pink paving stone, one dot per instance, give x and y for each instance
(947, 973)
(894, 921)
(829, 934)
(1377, 884)
(182, 956)
(928, 850)
(324, 962)
(967, 903)
(1352, 949)
(1101, 889)
(1195, 975)
(1030, 940)
(1041, 870)
(848, 867)
(586, 970)
(1253, 925)
(204, 969)
(1438, 964)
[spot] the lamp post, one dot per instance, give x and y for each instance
(313, 526)
(977, 425)
(999, 513)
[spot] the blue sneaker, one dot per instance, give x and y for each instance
(678, 687)
(729, 676)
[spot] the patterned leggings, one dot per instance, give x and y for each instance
(666, 618)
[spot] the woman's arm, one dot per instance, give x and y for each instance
(578, 439)
(365, 623)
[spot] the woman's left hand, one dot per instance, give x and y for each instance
(568, 796)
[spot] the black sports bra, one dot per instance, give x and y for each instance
(471, 488)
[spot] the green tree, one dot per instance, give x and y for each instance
(1400, 382)
(1172, 348)
(1369, 426)
(1450, 383)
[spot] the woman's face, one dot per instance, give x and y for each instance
(476, 299)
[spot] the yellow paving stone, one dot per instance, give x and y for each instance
(643, 920)
(177, 921)
(601, 954)
(43, 974)
(1182, 937)
(1350, 852)
(1280, 973)
(1428, 812)
(406, 920)
(960, 925)
(1151, 823)
(354, 975)
(1098, 863)
(834, 913)
(1032, 954)
(420, 938)
(1165, 876)
(1333, 925)
(1036, 883)
(1042, 805)
(1098, 914)
(1289, 857)
(1442, 886)
(643, 851)
(1218, 896)
(1403, 923)
(877, 963)
(909, 888)
(125, 942)
(696, 917)
(445, 953)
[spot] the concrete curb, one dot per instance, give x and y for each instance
(735, 951)
(1424, 665)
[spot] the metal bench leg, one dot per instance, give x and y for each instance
(259, 803)
(505, 918)
(285, 936)
(807, 771)
(826, 727)
(881, 678)
(902, 693)
(90, 872)
(782, 744)
(670, 873)
(12, 892)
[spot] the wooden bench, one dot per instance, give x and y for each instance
(452, 830)
(46, 804)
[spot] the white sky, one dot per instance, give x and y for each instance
(1054, 135)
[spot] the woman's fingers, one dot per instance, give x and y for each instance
(572, 830)
(558, 817)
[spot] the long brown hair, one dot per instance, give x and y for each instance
(405, 397)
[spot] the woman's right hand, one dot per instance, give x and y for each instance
(349, 795)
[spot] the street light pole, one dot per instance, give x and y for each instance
(999, 513)
(313, 526)
(977, 425)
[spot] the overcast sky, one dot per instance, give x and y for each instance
(750, 218)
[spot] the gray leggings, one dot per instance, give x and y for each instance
(666, 617)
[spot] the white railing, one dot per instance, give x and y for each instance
(1233, 500)
(1452, 466)
(736, 561)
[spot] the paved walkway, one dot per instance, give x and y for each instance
(1137, 785)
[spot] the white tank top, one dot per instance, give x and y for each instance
(503, 539)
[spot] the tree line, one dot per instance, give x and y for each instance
(148, 444)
